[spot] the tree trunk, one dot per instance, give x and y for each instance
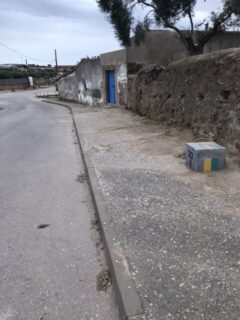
(192, 48)
(195, 52)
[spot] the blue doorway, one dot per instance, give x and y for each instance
(111, 92)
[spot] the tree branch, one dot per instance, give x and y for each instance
(149, 13)
(133, 5)
(147, 4)
(173, 27)
(215, 29)
(191, 20)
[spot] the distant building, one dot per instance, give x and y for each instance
(24, 67)
(62, 69)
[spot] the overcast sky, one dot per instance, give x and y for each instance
(76, 28)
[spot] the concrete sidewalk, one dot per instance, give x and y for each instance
(180, 230)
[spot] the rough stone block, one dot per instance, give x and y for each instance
(205, 156)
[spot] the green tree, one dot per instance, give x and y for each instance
(167, 14)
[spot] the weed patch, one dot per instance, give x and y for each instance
(81, 178)
(104, 280)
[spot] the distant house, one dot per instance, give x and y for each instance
(62, 69)
(104, 80)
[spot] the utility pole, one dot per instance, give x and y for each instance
(56, 66)
(26, 65)
(56, 61)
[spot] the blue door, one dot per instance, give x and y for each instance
(111, 95)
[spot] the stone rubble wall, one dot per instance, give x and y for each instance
(8, 84)
(201, 92)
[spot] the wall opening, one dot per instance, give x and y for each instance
(111, 90)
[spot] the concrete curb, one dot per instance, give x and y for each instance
(127, 299)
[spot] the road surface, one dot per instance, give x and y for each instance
(50, 272)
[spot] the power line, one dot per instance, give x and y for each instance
(24, 55)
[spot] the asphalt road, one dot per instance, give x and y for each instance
(47, 273)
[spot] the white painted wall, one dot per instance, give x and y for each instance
(85, 84)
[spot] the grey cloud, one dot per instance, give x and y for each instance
(49, 8)
(36, 28)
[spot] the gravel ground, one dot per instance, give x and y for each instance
(183, 247)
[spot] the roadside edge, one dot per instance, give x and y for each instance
(127, 298)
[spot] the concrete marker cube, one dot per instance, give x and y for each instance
(205, 156)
